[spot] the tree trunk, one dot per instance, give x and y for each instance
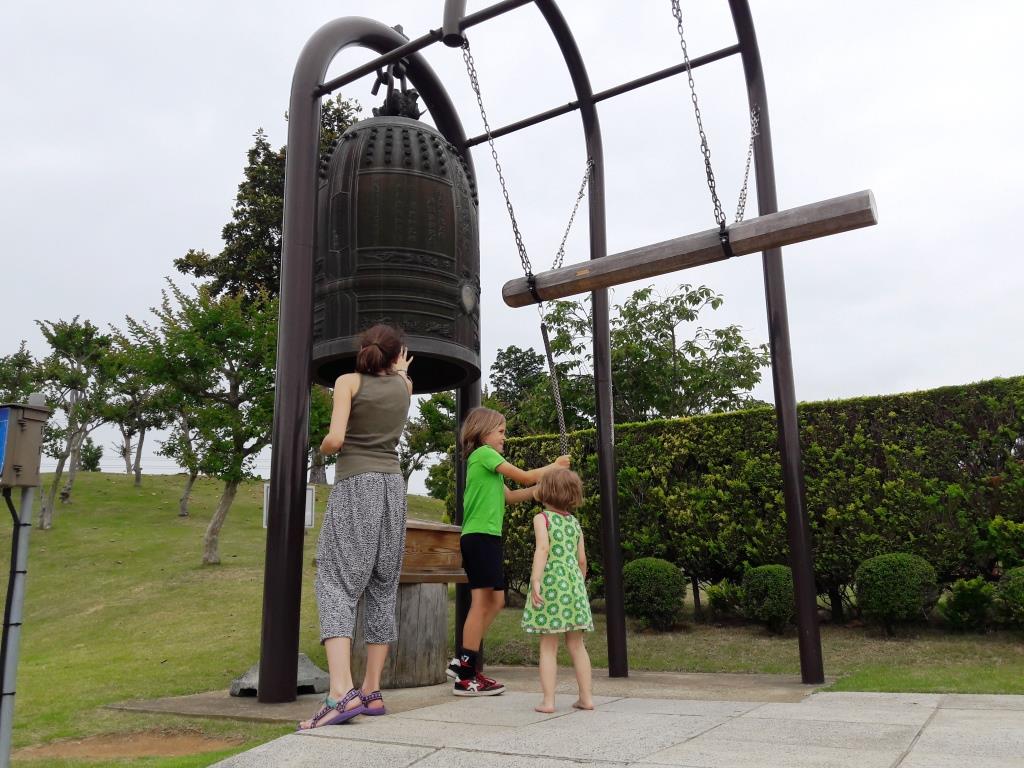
(46, 513)
(698, 612)
(138, 458)
(183, 502)
(74, 461)
(318, 469)
(126, 451)
(211, 555)
(835, 602)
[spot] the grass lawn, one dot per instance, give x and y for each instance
(118, 607)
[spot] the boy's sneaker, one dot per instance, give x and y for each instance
(478, 686)
(453, 668)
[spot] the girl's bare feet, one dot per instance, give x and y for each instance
(582, 705)
(547, 709)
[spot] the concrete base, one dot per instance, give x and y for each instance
(311, 679)
(662, 685)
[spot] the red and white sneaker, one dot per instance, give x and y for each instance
(478, 686)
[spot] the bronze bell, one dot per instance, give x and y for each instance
(398, 242)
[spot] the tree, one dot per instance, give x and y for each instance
(180, 446)
(91, 455)
(76, 382)
(218, 353)
(19, 376)
(321, 403)
(250, 261)
(137, 403)
(430, 433)
(658, 372)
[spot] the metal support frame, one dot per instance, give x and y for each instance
(282, 580)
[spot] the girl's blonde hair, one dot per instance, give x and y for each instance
(479, 422)
(561, 489)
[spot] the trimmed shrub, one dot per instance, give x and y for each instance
(1010, 598)
(969, 605)
(896, 588)
(654, 592)
(725, 599)
(768, 595)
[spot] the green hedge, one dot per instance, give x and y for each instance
(925, 473)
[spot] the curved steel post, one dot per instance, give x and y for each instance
(282, 584)
(797, 525)
(618, 664)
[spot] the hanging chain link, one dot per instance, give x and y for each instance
(705, 150)
(741, 206)
(563, 438)
(474, 81)
(560, 256)
(467, 56)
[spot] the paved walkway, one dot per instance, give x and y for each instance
(649, 720)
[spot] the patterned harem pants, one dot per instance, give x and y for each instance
(359, 555)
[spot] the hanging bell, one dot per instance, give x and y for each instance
(398, 243)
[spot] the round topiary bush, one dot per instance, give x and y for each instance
(895, 588)
(1010, 597)
(768, 595)
(654, 591)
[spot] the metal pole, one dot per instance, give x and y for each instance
(466, 398)
(17, 602)
(282, 582)
(797, 525)
(618, 664)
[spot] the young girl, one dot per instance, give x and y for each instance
(482, 441)
(558, 596)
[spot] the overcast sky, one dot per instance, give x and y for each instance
(126, 126)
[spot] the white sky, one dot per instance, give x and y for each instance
(126, 126)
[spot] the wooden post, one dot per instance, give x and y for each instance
(795, 225)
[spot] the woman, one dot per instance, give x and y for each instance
(359, 554)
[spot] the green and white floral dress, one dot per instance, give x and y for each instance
(566, 607)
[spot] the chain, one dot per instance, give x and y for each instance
(560, 256)
(467, 56)
(563, 439)
(755, 118)
(705, 150)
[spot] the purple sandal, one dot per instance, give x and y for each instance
(336, 714)
(373, 711)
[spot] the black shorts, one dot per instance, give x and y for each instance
(483, 557)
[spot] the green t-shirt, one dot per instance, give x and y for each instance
(483, 505)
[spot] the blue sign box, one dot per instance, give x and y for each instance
(5, 415)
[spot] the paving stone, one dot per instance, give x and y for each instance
(930, 760)
(398, 729)
(848, 712)
(866, 736)
(877, 698)
(304, 751)
(711, 753)
(974, 735)
(609, 736)
(510, 708)
(981, 701)
(454, 758)
(681, 707)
